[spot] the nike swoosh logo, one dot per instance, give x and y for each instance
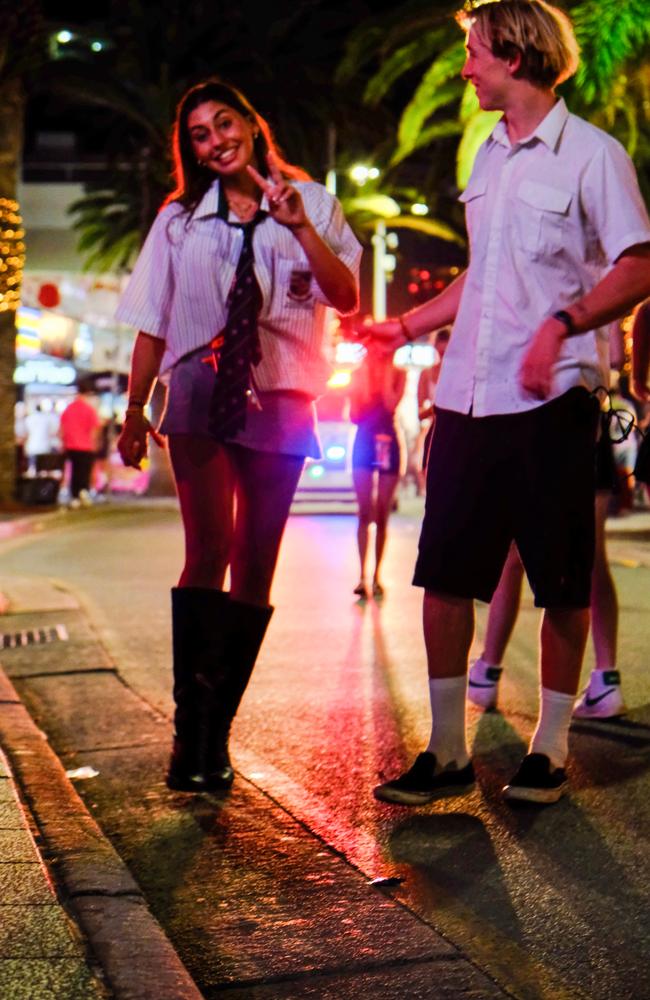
(590, 702)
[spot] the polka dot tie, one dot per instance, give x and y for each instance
(239, 344)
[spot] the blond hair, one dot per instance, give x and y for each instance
(540, 34)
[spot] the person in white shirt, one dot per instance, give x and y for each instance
(229, 294)
(559, 247)
(41, 437)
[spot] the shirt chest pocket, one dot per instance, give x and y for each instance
(542, 218)
(292, 285)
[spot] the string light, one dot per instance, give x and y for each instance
(12, 254)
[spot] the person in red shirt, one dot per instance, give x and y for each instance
(78, 431)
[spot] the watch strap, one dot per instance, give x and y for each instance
(564, 317)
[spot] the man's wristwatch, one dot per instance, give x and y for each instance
(562, 316)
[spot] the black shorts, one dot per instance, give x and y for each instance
(606, 476)
(364, 450)
(527, 477)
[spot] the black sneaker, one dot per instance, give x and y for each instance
(426, 780)
(536, 781)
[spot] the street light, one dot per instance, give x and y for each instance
(360, 173)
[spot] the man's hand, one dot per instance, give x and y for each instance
(536, 371)
(388, 335)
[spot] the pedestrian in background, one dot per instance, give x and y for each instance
(41, 435)
(230, 294)
(376, 389)
(559, 246)
(78, 430)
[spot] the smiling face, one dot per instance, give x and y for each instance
(492, 78)
(222, 139)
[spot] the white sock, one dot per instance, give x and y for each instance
(552, 734)
(448, 743)
(479, 669)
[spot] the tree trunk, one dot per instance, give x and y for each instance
(11, 136)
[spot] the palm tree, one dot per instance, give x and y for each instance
(21, 48)
(611, 87)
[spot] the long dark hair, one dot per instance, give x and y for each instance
(192, 179)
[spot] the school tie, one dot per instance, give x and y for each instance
(236, 347)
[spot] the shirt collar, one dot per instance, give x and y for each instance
(548, 131)
(214, 202)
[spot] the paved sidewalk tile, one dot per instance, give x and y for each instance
(41, 953)
(47, 979)
(17, 845)
(36, 932)
(23, 883)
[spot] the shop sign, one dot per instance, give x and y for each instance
(44, 372)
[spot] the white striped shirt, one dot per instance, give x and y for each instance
(179, 287)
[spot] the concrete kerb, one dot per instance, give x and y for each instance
(137, 958)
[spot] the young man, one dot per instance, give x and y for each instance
(560, 246)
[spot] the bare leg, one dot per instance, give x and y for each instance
(386, 487)
(604, 602)
(266, 483)
(564, 636)
(448, 631)
(504, 609)
(363, 485)
(205, 484)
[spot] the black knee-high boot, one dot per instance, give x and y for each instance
(216, 643)
(245, 631)
(199, 618)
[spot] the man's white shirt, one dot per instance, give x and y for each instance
(547, 217)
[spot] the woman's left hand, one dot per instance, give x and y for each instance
(285, 202)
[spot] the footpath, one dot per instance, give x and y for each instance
(74, 924)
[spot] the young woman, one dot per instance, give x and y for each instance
(377, 387)
(229, 294)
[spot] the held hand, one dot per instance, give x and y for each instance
(536, 371)
(285, 202)
(132, 442)
(387, 335)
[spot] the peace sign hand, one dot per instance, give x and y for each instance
(285, 202)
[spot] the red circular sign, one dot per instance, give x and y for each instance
(48, 296)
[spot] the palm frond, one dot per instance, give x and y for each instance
(439, 130)
(609, 34)
(477, 130)
(377, 205)
(404, 59)
(433, 92)
(430, 227)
